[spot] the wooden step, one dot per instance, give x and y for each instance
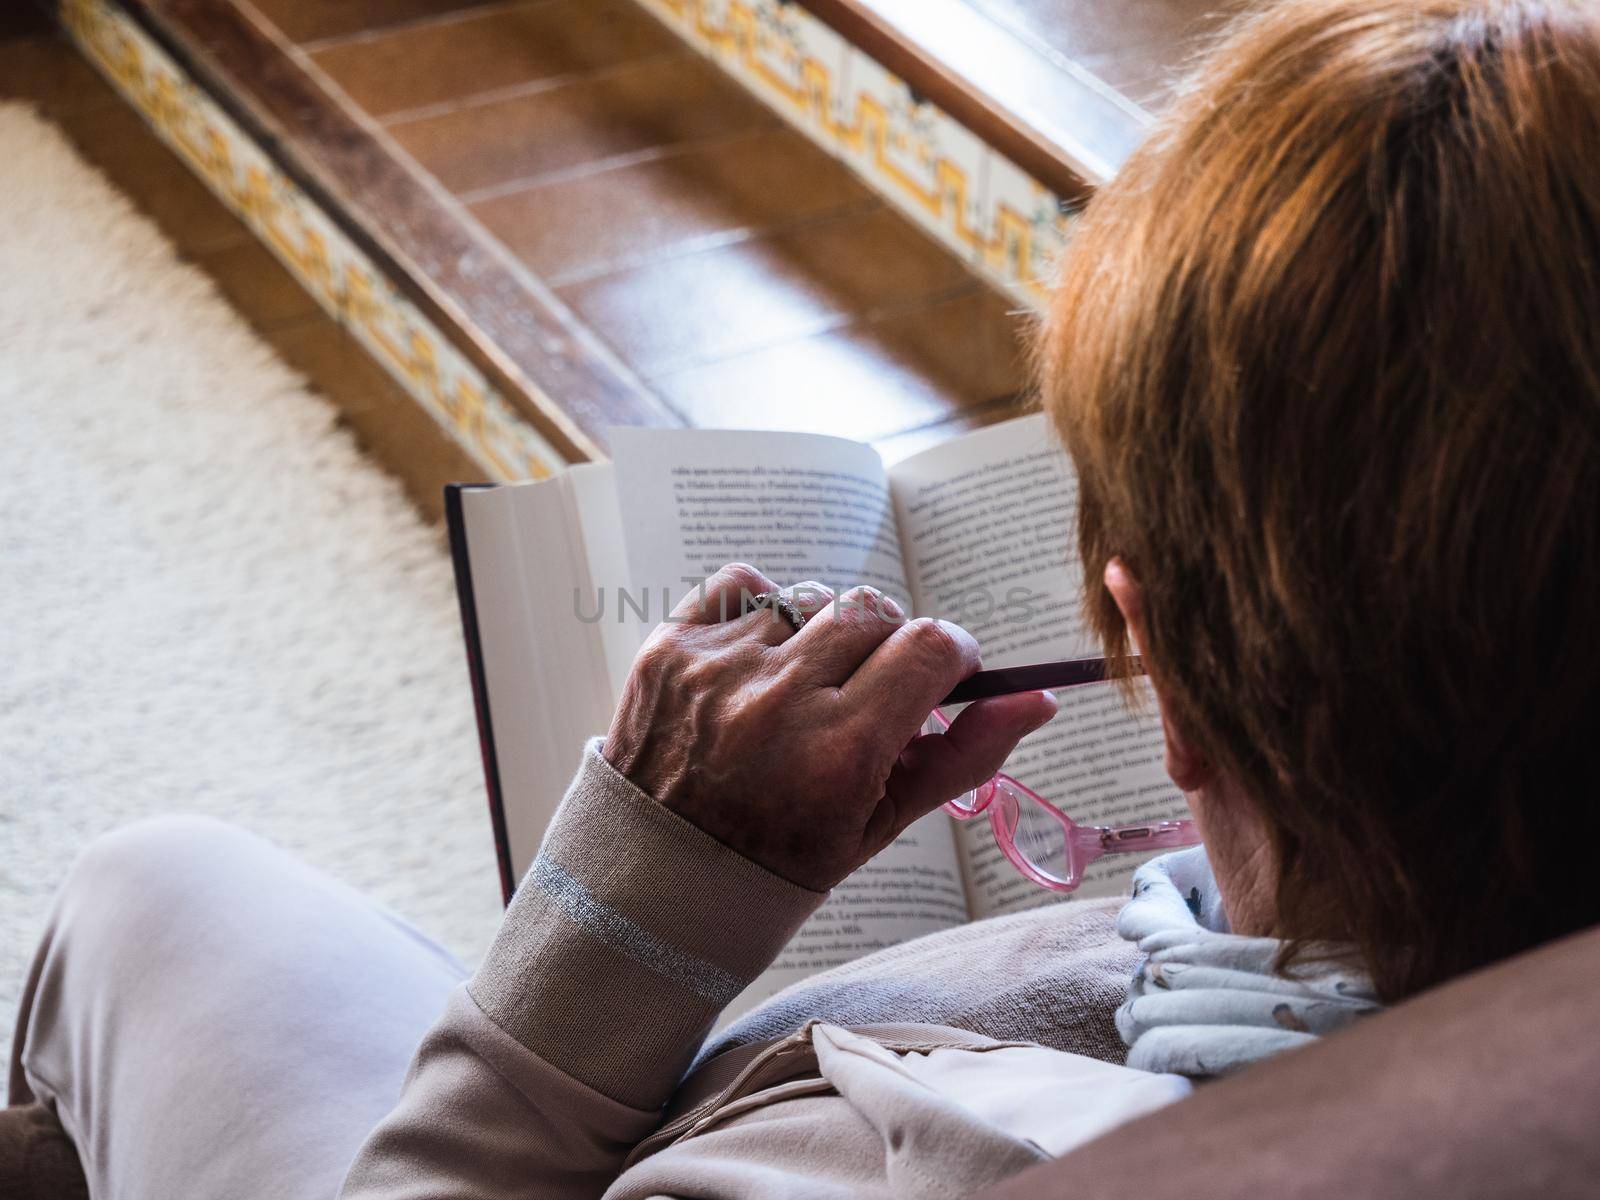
(589, 227)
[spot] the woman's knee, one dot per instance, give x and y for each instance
(145, 913)
(154, 867)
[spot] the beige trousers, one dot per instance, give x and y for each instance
(214, 1020)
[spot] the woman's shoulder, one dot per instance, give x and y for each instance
(1053, 975)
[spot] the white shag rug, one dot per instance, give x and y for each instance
(210, 600)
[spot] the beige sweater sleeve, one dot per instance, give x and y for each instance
(630, 933)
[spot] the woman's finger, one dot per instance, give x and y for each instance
(937, 767)
(769, 624)
(842, 634)
(722, 597)
(810, 597)
(915, 667)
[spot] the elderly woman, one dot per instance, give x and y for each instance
(1324, 355)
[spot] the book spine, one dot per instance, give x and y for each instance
(455, 521)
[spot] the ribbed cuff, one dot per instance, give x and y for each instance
(629, 934)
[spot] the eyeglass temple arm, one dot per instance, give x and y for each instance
(1038, 677)
(1148, 835)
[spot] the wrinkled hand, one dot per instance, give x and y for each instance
(803, 751)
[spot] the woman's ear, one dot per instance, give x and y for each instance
(1186, 765)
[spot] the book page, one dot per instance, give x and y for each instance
(990, 528)
(798, 507)
(544, 670)
(594, 499)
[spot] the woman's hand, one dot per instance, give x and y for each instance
(803, 751)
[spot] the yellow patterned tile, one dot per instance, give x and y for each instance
(930, 166)
(1024, 229)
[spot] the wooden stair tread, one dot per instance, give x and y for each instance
(1138, 47)
(658, 228)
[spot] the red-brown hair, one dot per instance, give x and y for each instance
(1325, 354)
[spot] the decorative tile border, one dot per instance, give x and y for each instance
(328, 264)
(979, 203)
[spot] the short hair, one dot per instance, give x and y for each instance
(1324, 354)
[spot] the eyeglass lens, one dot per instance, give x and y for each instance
(1037, 834)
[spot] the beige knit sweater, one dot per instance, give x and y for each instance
(559, 1069)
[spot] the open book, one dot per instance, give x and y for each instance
(561, 580)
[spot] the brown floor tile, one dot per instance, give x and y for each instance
(116, 140)
(309, 20)
(47, 71)
(411, 444)
(632, 214)
(257, 284)
(1137, 46)
(325, 352)
(869, 382)
(978, 342)
(659, 102)
(717, 303)
(443, 61)
(1078, 27)
(20, 18)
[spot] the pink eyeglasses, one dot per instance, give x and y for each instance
(1041, 841)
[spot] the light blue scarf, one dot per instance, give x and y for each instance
(1207, 1001)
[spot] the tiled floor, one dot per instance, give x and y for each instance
(696, 198)
(44, 70)
(745, 276)
(490, 49)
(1139, 47)
(309, 20)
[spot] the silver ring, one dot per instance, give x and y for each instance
(782, 605)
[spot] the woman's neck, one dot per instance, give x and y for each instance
(1241, 857)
